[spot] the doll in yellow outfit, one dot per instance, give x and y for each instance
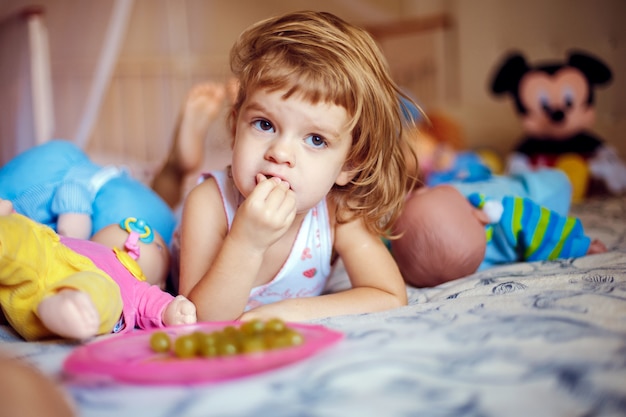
(51, 285)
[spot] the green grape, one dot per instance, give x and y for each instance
(275, 325)
(230, 330)
(294, 338)
(252, 344)
(160, 342)
(207, 344)
(254, 336)
(185, 346)
(227, 347)
(288, 338)
(252, 327)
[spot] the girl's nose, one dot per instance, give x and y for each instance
(281, 152)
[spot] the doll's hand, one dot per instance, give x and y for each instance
(69, 313)
(77, 225)
(266, 214)
(179, 311)
(596, 246)
(6, 207)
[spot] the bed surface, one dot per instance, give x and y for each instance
(528, 339)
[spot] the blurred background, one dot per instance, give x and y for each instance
(118, 71)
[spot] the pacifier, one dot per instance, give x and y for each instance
(138, 230)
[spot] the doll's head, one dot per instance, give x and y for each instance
(436, 139)
(142, 244)
(442, 236)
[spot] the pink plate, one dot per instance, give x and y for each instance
(128, 358)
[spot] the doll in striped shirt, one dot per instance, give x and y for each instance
(446, 235)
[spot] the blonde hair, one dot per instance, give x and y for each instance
(324, 59)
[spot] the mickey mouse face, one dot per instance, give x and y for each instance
(556, 104)
(554, 100)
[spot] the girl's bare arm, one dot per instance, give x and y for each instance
(203, 231)
(219, 267)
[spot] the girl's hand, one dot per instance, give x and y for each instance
(265, 216)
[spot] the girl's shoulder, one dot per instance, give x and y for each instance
(206, 188)
(203, 199)
(342, 230)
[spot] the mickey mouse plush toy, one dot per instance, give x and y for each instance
(555, 101)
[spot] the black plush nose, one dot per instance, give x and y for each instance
(556, 115)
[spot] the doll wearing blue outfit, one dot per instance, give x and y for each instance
(521, 230)
(58, 185)
(448, 235)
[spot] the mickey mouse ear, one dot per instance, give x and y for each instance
(508, 75)
(596, 71)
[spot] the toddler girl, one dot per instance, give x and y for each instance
(318, 169)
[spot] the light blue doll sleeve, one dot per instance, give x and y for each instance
(547, 187)
(77, 192)
(72, 198)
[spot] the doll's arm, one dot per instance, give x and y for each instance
(156, 308)
(77, 225)
(545, 235)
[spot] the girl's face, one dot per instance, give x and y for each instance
(302, 143)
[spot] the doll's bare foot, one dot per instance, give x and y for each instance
(70, 314)
(596, 246)
(179, 311)
(6, 207)
(186, 155)
(201, 107)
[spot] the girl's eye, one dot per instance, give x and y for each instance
(315, 141)
(263, 125)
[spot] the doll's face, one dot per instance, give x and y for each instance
(433, 155)
(556, 104)
(154, 257)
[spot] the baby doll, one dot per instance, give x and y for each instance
(441, 149)
(58, 185)
(51, 285)
(446, 235)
